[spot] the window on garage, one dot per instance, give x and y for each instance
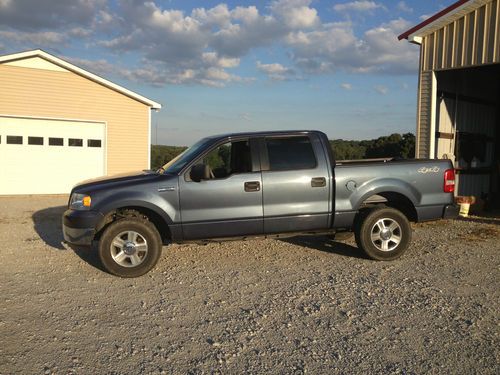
(56, 141)
(75, 142)
(94, 143)
(14, 140)
(35, 141)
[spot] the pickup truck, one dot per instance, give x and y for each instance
(264, 184)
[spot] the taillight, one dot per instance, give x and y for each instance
(449, 181)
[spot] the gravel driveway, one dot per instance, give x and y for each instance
(307, 305)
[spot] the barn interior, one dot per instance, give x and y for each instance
(468, 129)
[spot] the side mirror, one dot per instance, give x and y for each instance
(199, 172)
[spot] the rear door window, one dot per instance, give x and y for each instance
(290, 153)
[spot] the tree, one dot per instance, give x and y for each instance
(394, 145)
(161, 155)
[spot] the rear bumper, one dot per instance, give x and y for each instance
(79, 227)
(451, 211)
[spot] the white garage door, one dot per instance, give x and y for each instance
(40, 156)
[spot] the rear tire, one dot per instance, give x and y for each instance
(130, 247)
(383, 233)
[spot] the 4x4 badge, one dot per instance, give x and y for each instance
(428, 170)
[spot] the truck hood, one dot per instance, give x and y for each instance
(105, 181)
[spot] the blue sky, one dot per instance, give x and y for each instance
(216, 67)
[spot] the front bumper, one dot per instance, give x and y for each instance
(451, 211)
(79, 227)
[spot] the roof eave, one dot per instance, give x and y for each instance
(413, 31)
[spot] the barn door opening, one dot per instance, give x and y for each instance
(468, 129)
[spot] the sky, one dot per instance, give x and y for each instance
(234, 66)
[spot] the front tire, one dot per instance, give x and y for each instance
(383, 233)
(130, 247)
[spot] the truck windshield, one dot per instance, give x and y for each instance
(177, 163)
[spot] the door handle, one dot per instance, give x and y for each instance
(318, 181)
(252, 186)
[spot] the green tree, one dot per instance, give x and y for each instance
(394, 145)
(161, 155)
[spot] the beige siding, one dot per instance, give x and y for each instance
(471, 40)
(55, 94)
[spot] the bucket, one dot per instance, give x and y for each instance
(464, 209)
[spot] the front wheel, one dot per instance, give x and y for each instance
(383, 233)
(130, 247)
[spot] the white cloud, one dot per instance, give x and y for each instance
(45, 38)
(335, 46)
(423, 17)
(358, 6)
(346, 86)
(48, 14)
(211, 58)
(275, 71)
(245, 116)
(272, 68)
(296, 13)
(170, 46)
(402, 6)
(246, 15)
(381, 89)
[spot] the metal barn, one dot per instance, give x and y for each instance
(458, 106)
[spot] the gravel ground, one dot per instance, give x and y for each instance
(306, 305)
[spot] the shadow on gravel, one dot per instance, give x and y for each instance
(327, 245)
(481, 220)
(88, 255)
(48, 225)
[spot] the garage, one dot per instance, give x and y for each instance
(60, 124)
(44, 156)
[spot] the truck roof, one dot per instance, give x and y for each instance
(263, 133)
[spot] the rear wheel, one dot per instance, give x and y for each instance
(130, 247)
(383, 233)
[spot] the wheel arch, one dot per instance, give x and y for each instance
(394, 200)
(159, 219)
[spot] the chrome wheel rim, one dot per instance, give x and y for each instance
(129, 249)
(386, 234)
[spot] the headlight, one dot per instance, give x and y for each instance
(80, 202)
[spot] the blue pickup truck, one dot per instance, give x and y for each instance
(265, 184)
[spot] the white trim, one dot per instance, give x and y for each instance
(79, 71)
(415, 39)
(105, 123)
(432, 135)
(53, 118)
(149, 138)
